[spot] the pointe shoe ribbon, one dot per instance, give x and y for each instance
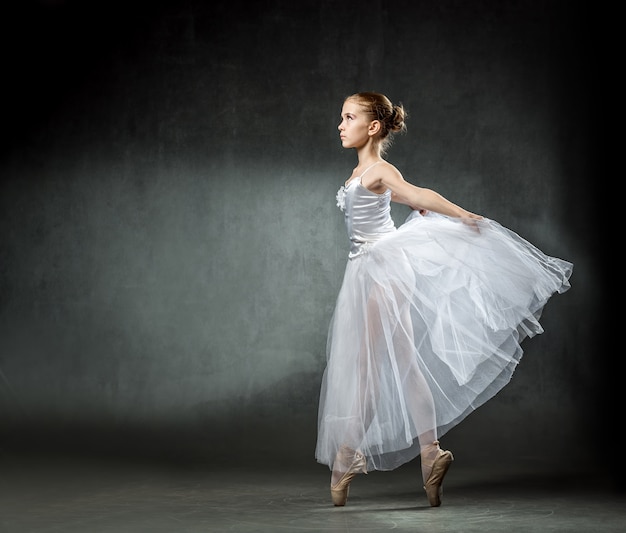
(339, 491)
(434, 483)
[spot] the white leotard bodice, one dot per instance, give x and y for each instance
(367, 214)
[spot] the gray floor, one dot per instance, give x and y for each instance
(81, 496)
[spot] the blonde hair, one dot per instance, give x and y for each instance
(378, 107)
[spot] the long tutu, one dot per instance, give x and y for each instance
(427, 327)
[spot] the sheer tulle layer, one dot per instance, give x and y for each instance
(427, 327)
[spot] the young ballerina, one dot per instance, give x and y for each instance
(429, 318)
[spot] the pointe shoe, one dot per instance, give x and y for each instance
(434, 483)
(339, 491)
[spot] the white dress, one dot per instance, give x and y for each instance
(427, 325)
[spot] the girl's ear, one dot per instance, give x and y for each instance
(374, 127)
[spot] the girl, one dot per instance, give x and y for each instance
(429, 318)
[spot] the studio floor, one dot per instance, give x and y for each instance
(105, 496)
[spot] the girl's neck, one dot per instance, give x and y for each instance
(368, 156)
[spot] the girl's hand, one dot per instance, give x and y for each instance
(471, 220)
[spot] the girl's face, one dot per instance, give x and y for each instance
(354, 125)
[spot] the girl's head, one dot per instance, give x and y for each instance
(378, 107)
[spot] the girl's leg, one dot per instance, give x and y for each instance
(420, 403)
(349, 454)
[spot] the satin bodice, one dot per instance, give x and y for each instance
(367, 215)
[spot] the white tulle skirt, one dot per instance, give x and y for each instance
(427, 327)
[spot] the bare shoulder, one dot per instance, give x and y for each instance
(378, 179)
(390, 176)
(384, 176)
(389, 169)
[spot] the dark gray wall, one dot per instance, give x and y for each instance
(170, 245)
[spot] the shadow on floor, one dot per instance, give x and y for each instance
(53, 494)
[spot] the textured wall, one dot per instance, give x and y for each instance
(170, 245)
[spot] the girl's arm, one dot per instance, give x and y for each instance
(399, 199)
(421, 198)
